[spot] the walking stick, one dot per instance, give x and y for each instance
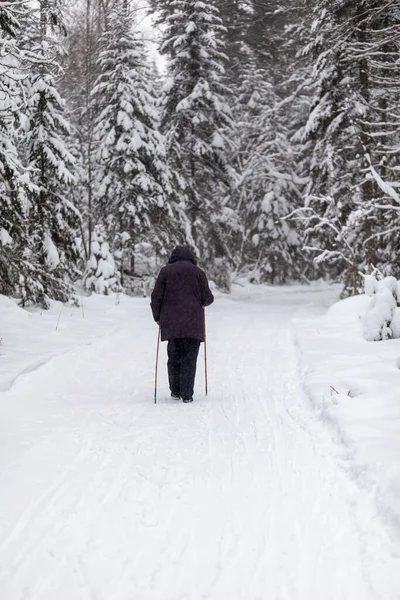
(156, 373)
(205, 353)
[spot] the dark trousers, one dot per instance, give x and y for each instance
(182, 360)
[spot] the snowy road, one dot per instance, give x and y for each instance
(238, 496)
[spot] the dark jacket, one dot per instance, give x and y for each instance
(180, 293)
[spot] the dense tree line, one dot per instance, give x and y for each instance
(352, 135)
(270, 144)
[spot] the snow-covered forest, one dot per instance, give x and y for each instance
(266, 138)
(264, 135)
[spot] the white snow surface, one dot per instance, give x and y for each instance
(52, 256)
(241, 495)
(354, 385)
(5, 238)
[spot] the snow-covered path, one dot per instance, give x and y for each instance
(238, 496)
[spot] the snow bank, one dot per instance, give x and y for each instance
(29, 338)
(380, 321)
(354, 385)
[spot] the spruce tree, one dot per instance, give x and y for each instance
(236, 16)
(134, 183)
(14, 178)
(269, 188)
(101, 275)
(196, 118)
(53, 219)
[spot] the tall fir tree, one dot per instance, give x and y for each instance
(15, 184)
(236, 16)
(196, 119)
(269, 188)
(53, 219)
(134, 182)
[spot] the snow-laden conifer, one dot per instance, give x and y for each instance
(196, 118)
(102, 275)
(353, 131)
(14, 178)
(382, 319)
(53, 219)
(133, 179)
(269, 188)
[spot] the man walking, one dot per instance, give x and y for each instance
(180, 294)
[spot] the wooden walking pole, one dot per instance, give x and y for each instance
(156, 373)
(205, 353)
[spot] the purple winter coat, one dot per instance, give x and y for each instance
(180, 293)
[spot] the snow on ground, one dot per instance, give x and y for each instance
(239, 496)
(364, 405)
(29, 338)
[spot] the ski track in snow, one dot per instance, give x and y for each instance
(238, 496)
